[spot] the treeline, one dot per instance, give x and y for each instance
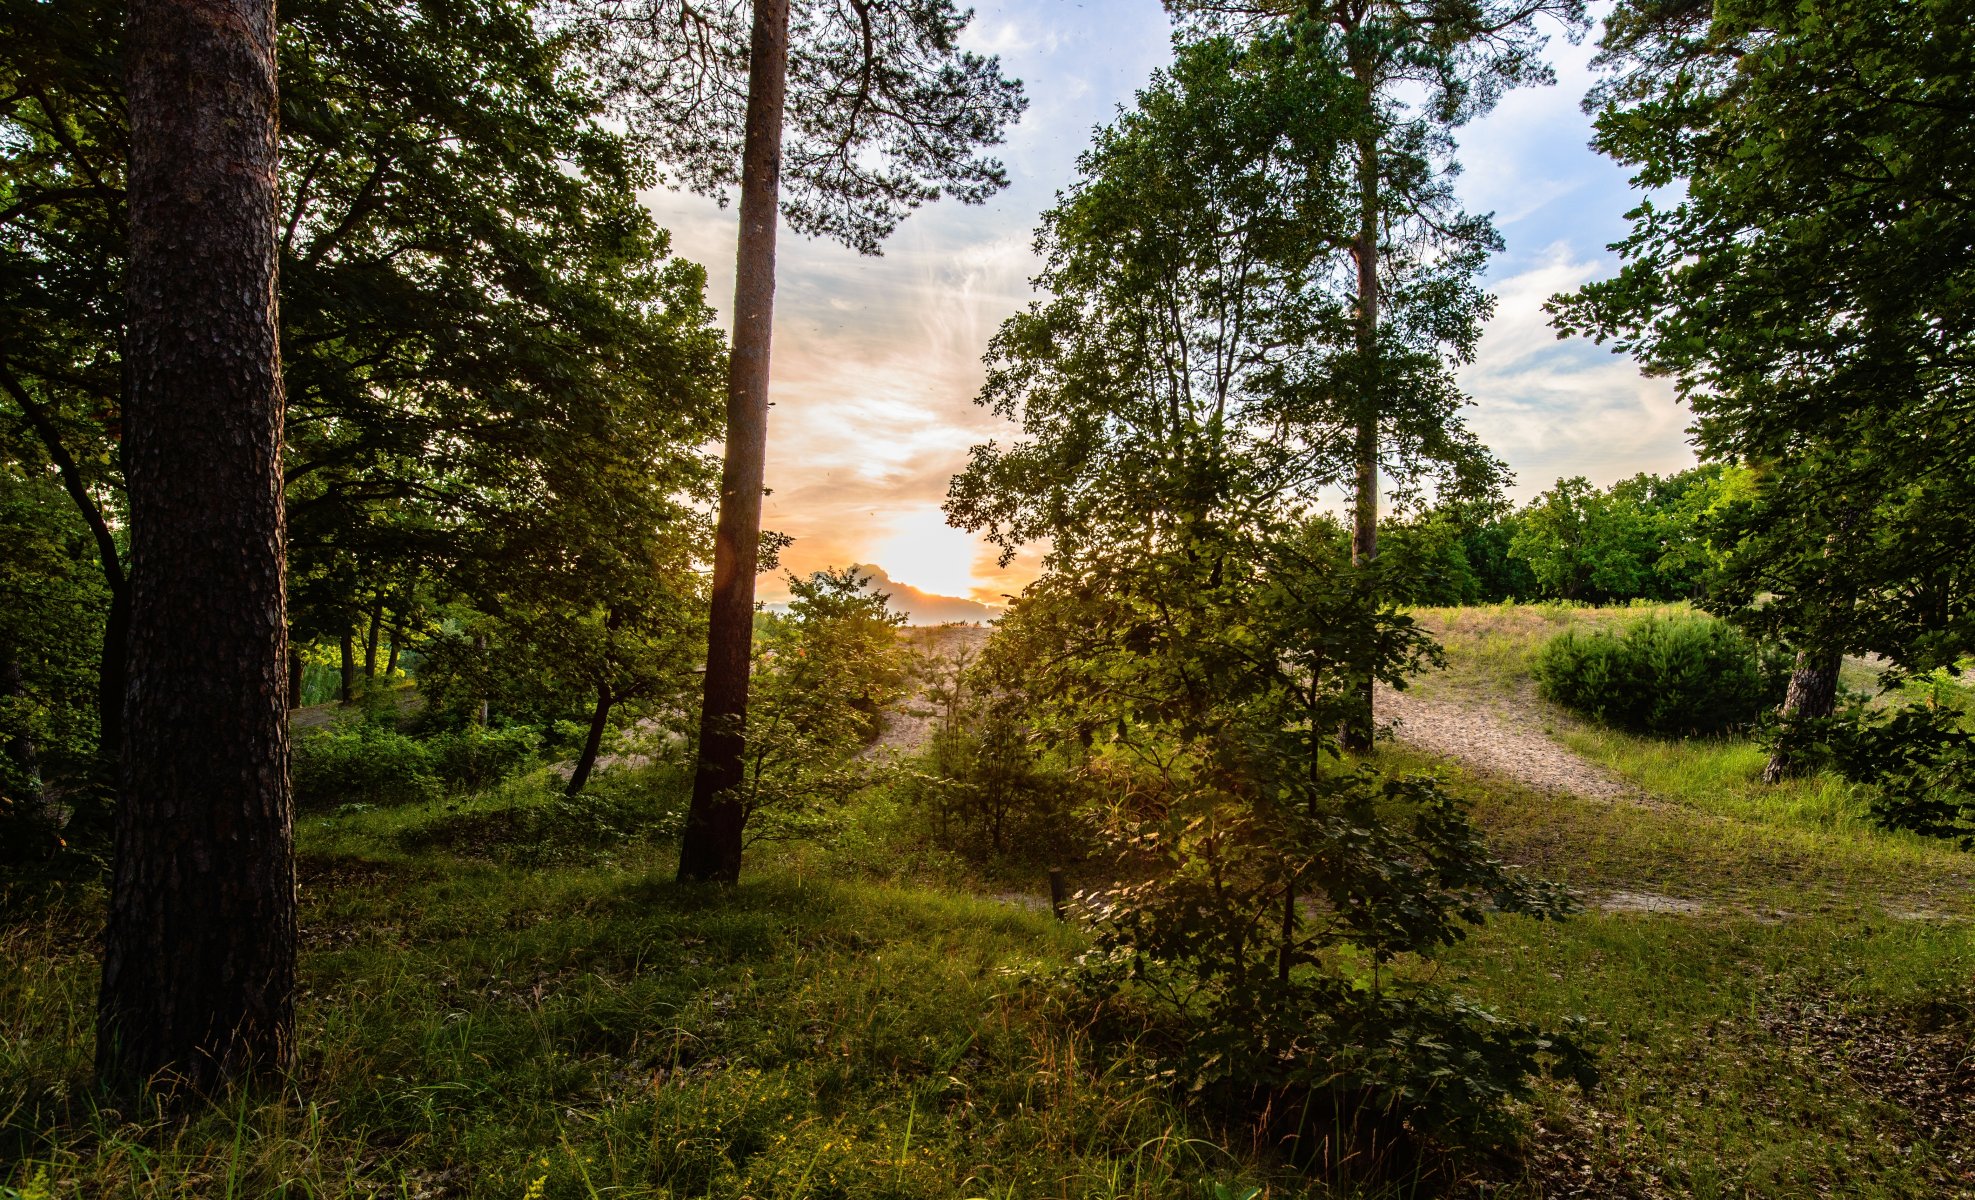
(1643, 538)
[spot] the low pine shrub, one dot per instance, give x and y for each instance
(1673, 678)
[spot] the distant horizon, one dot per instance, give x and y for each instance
(877, 360)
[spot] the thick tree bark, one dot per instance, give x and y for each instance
(710, 849)
(593, 744)
(296, 671)
(199, 955)
(1357, 728)
(1813, 692)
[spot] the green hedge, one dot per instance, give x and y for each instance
(1675, 677)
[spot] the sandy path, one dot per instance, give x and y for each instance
(1502, 738)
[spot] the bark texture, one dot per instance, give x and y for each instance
(710, 849)
(1357, 729)
(199, 953)
(1813, 692)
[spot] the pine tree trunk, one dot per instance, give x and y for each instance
(593, 744)
(1357, 728)
(296, 673)
(710, 849)
(1813, 692)
(199, 955)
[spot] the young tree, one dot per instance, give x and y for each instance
(1418, 70)
(199, 955)
(1805, 290)
(886, 114)
(1196, 637)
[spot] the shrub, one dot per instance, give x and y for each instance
(476, 757)
(363, 763)
(371, 762)
(1669, 677)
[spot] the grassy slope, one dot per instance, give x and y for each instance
(1801, 1036)
(491, 1002)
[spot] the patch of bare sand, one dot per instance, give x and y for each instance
(1500, 736)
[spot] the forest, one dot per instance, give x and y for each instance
(427, 771)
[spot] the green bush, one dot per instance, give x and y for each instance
(371, 762)
(1669, 677)
(476, 757)
(363, 763)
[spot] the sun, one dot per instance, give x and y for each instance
(926, 552)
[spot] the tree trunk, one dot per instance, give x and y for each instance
(1813, 692)
(1357, 728)
(585, 762)
(710, 848)
(391, 664)
(198, 976)
(297, 671)
(348, 686)
(370, 639)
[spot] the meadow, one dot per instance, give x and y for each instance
(506, 995)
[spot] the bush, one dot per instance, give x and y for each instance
(476, 757)
(370, 762)
(363, 763)
(1668, 677)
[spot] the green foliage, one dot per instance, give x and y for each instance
(371, 762)
(885, 110)
(824, 672)
(984, 780)
(1196, 635)
(1670, 677)
(499, 383)
(52, 605)
(1916, 760)
(1801, 272)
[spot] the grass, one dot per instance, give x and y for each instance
(506, 996)
(480, 1022)
(1803, 1029)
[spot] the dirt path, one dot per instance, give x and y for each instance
(1500, 738)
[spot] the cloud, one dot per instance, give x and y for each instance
(925, 608)
(1555, 409)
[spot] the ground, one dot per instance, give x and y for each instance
(505, 996)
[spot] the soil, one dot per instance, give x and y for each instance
(1502, 737)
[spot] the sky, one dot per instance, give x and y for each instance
(877, 360)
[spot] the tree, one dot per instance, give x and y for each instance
(825, 671)
(1805, 290)
(199, 955)
(478, 316)
(887, 112)
(1418, 70)
(1196, 635)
